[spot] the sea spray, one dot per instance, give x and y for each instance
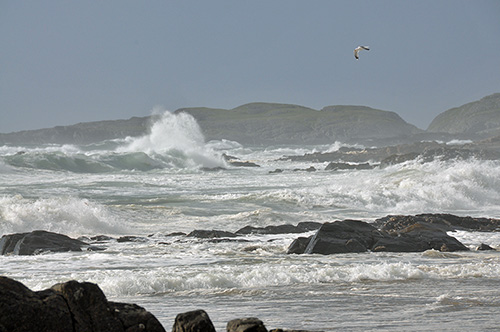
(67, 215)
(177, 139)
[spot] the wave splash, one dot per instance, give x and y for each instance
(178, 139)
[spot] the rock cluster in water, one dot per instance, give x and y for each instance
(400, 233)
(69, 306)
(83, 307)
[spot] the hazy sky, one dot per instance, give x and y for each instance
(63, 62)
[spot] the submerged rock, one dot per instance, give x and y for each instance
(70, 306)
(38, 242)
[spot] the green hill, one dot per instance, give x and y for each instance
(269, 123)
(254, 123)
(480, 118)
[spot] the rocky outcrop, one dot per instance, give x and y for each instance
(193, 321)
(250, 324)
(70, 306)
(445, 222)
(335, 166)
(367, 158)
(38, 242)
(351, 236)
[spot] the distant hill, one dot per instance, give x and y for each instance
(269, 123)
(254, 123)
(479, 118)
(81, 133)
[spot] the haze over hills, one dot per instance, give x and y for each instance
(481, 117)
(272, 123)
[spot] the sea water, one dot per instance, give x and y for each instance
(171, 181)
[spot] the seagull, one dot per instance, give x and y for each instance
(358, 49)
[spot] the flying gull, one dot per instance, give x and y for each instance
(358, 49)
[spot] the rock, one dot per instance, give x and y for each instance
(342, 237)
(250, 324)
(484, 247)
(243, 164)
(299, 245)
(445, 222)
(131, 238)
(38, 242)
(193, 321)
(280, 229)
(206, 234)
(334, 166)
(70, 306)
(350, 236)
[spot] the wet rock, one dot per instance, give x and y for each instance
(351, 236)
(342, 237)
(334, 166)
(131, 238)
(38, 242)
(299, 245)
(243, 164)
(445, 222)
(193, 321)
(70, 306)
(206, 234)
(280, 229)
(250, 324)
(484, 247)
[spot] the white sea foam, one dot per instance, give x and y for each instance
(178, 137)
(67, 215)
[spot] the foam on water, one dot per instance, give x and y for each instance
(67, 215)
(178, 136)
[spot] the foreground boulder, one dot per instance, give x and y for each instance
(351, 236)
(38, 242)
(70, 306)
(250, 324)
(193, 321)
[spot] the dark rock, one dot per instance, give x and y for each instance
(177, 234)
(446, 222)
(38, 242)
(277, 170)
(193, 321)
(250, 324)
(334, 166)
(280, 229)
(206, 234)
(299, 245)
(101, 238)
(309, 169)
(351, 236)
(70, 306)
(484, 247)
(131, 238)
(243, 164)
(213, 169)
(342, 237)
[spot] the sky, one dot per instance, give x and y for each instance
(64, 62)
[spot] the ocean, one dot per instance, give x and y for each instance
(172, 181)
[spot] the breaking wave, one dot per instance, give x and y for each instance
(174, 141)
